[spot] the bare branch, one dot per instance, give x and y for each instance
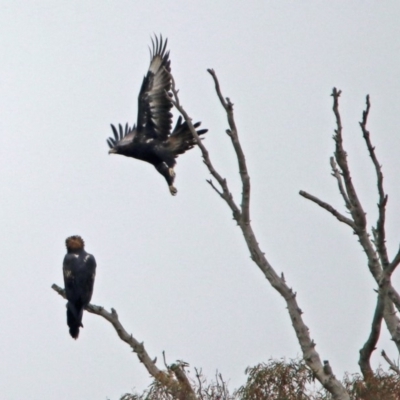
(210, 182)
(199, 384)
(349, 195)
(380, 226)
(395, 262)
(338, 176)
(307, 345)
(356, 209)
(226, 194)
(376, 258)
(233, 134)
(392, 365)
(179, 389)
(370, 344)
(394, 296)
(392, 321)
(328, 208)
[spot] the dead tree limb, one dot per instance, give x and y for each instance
(179, 388)
(370, 345)
(328, 208)
(242, 217)
(375, 250)
(392, 365)
(354, 204)
(379, 230)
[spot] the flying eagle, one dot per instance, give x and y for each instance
(151, 139)
(79, 269)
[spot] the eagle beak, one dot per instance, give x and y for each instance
(112, 151)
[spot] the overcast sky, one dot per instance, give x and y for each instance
(176, 268)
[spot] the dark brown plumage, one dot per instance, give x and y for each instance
(79, 270)
(151, 139)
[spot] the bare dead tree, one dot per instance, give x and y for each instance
(174, 380)
(241, 214)
(375, 248)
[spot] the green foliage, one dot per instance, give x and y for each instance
(156, 391)
(282, 380)
(383, 386)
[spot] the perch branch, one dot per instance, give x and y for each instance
(176, 388)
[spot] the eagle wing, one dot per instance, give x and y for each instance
(79, 273)
(121, 137)
(70, 266)
(87, 278)
(154, 117)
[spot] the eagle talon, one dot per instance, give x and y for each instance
(173, 190)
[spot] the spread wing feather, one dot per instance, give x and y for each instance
(154, 105)
(121, 136)
(181, 138)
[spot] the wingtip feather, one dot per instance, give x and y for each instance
(114, 129)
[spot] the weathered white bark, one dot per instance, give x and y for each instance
(242, 217)
(375, 249)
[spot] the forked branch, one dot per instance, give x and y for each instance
(356, 209)
(233, 134)
(242, 217)
(224, 192)
(376, 251)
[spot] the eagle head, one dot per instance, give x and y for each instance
(74, 243)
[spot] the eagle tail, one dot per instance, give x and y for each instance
(74, 319)
(182, 139)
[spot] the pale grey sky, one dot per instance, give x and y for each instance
(176, 269)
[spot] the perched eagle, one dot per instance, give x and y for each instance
(79, 269)
(151, 139)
